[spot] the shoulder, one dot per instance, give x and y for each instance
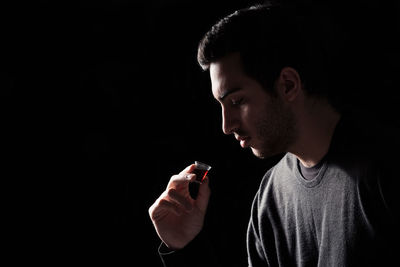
(279, 177)
(366, 148)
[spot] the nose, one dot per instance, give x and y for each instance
(229, 121)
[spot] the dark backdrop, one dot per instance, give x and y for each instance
(103, 101)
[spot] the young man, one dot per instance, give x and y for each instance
(330, 200)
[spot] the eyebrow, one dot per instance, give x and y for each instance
(228, 92)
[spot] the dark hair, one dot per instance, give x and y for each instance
(269, 38)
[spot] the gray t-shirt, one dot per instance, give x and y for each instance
(341, 217)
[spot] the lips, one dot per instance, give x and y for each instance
(244, 140)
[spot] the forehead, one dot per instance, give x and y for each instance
(226, 73)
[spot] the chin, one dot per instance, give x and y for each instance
(263, 154)
(258, 153)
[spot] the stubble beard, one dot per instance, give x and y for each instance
(276, 130)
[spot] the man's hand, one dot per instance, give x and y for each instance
(177, 217)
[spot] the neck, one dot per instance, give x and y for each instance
(316, 125)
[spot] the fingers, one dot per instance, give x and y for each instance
(179, 182)
(188, 169)
(183, 178)
(170, 201)
(203, 195)
(162, 208)
(176, 199)
(179, 199)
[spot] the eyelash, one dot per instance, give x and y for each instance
(237, 102)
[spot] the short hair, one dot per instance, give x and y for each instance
(268, 38)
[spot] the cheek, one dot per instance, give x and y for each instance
(246, 115)
(250, 117)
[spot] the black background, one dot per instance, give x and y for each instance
(103, 102)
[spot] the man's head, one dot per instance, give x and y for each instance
(258, 119)
(258, 67)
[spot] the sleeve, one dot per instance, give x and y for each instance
(255, 251)
(198, 253)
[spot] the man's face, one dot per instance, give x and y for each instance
(256, 118)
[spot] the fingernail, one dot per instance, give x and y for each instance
(190, 176)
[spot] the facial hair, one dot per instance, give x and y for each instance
(275, 130)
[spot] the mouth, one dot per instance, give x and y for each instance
(244, 140)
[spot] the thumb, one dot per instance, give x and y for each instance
(203, 195)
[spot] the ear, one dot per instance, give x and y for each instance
(289, 84)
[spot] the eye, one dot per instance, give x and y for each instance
(236, 101)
